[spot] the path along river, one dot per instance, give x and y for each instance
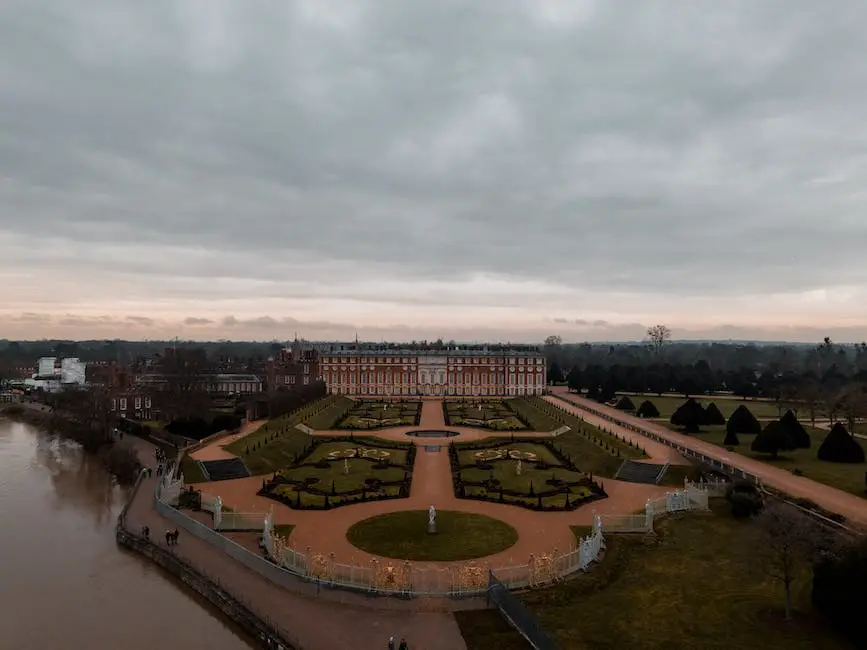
(63, 581)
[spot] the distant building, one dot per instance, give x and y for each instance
(53, 374)
(296, 365)
(434, 370)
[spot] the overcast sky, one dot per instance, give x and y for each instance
(496, 169)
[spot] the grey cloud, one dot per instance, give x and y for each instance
(141, 320)
(191, 320)
(602, 145)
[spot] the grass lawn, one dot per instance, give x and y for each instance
(491, 414)
(668, 405)
(843, 476)
(380, 414)
(329, 417)
(284, 530)
(404, 536)
(697, 584)
(191, 470)
(529, 409)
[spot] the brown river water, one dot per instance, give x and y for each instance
(64, 584)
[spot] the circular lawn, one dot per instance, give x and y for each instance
(404, 536)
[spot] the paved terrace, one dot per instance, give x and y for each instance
(850, 506)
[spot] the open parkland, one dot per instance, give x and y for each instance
(404, 516)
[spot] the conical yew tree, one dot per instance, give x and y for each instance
(647, 410)
(690, 415)
(743, 421)
(796, 430)
(714, 415)
(773, 439)
(841, 447)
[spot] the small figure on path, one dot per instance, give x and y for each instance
(403, 645)
(391, 642)
(145, 532)
(175, 535)
(168, 538)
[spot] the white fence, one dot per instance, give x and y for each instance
(689, 498)
(711, 488)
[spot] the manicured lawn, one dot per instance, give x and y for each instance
(459, 536)
(844, 476)
(531, 410)
(668, 405)
(331, 416)
(373, 470)
(696, 584)
(379, 414)
(490, 414)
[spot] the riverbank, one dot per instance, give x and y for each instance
(119, 459)
(237, 612)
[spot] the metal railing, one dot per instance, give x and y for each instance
(518, 616)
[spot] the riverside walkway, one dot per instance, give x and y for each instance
(316, 620)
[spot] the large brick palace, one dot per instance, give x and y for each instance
(477, 370)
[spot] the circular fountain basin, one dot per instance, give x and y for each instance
(432, 433)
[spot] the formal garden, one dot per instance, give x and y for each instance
(524, 472)
(332, 472)
(406, 536)
(367, 415)
(493, 414)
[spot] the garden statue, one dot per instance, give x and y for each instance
(431, 520)
(346, 466)
(518, 467)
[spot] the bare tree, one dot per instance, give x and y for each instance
(809, 394)
(88, 414)
(853, 403)
(791, 539)
(658, 335)
(184, 374)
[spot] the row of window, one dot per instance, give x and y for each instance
(119, 404)
(468, 379)
(290, 379)
(466, 361)
(439, 390)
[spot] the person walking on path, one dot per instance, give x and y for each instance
(403, 645)
(391, 642)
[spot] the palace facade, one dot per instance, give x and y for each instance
(457, 372)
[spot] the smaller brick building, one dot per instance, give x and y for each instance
(294, 366)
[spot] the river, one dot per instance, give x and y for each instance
(63, 581)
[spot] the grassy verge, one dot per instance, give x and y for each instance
(191, 470)
(277, 443)
(848, 477)
(404, 536)
(331, 416)
(528, 409)
(654, 593)
(284, 530)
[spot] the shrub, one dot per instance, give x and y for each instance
(745, 499)
(647, 410)
(743, 421)
(624, 404)
(840, 447)
(774, 438)
(731, 439)
(690, 415)
(714, 415)
(798, 433)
